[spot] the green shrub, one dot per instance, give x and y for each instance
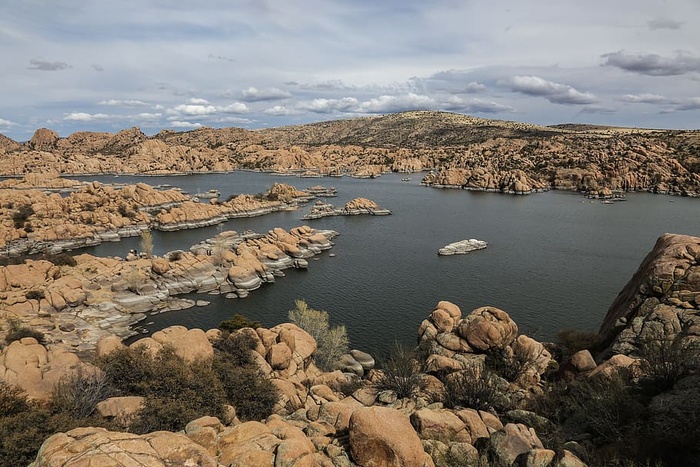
(247, 389)
(24, 425)
(332, 342)
(176, 391)
(236, 347)
(237, 322)
(400, 372)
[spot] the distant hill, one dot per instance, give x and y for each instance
(459, 150)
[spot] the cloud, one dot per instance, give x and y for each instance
(652, 64)
(474, 87)
(456, 103)
(279, 111)
(330, 85)
(220, 57)
(598, 109)
(271, 94)
(124, 103)
(645, 99)
(555, 93)
(195, 100)
(6, 123)
(326, 106)
(664, 23)
(198, 110)
(692, 103)
(183, 124)
(148, 116)
(85, 117)
(45, 65)
(388, 104)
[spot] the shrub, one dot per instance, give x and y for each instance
(332, 343)
(77, 394)
(400, 372)
(146, 243)
(474, 389)
(665, 360)
(34, 294)
(509, 364)
(247, 389)
(238, 322)
(18, 331)
(574, 340)
(134, 279)
(20, 216)
(236, 347)
(608, 409)
(24, 425)
(175, 255)
(176, 391)
(60, 259)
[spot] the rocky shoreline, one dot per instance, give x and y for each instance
(77, 305)
(90, 213)
(350, 417)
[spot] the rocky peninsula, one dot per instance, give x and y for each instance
(39, 221)
(76, 305)
(356, 207)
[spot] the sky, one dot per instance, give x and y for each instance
(86, 65)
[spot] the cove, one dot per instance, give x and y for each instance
(555, 260)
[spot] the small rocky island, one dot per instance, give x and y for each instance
(355, 207)
(462, 247)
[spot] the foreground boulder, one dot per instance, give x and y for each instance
(99, 447)
(384, 437)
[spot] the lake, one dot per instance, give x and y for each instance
(555, 260)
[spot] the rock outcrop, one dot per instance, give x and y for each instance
(462, 247)
(462, 151)
(91, 213)
(357, 206)
(454, 343)
(660, 301)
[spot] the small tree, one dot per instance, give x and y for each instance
(146, 243)
(332, 343)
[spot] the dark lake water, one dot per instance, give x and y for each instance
(555, 260)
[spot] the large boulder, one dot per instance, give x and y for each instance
(190, 344)
(99, 447)
(488, 327)
(384, 437)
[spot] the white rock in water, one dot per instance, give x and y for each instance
(462, 247)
